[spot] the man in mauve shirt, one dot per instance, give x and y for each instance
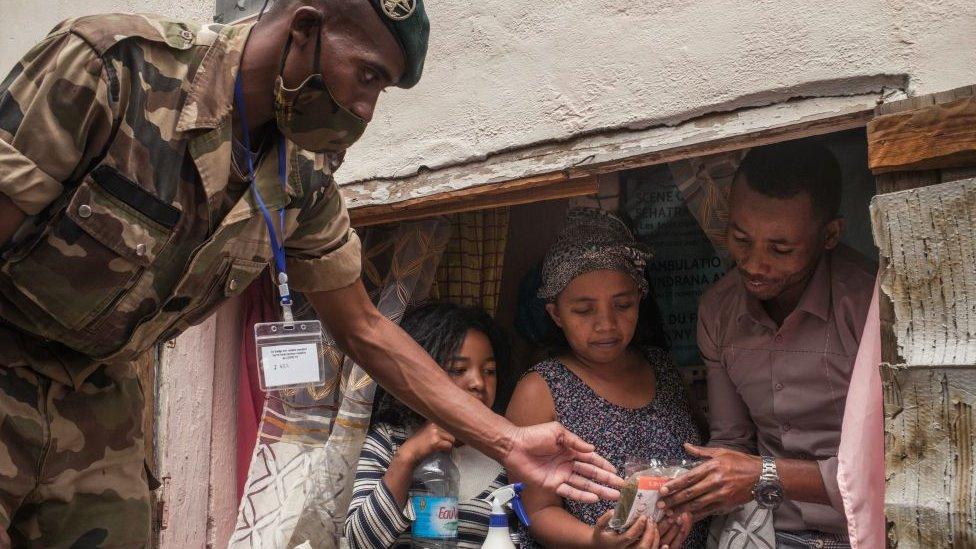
(779, 335)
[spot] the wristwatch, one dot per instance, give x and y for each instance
(768, 490)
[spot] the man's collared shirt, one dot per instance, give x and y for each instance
(781, 390)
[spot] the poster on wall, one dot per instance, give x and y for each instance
(684, 264)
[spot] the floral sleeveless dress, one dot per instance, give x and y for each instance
(656, 430)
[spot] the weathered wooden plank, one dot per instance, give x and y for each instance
(764, 136)
(955, 174)
(954, 94)
(902, 181)
(903, 105)
(927, 264)
(927, 100)
(186, 400)
(886, 311)
(222, 486)
(942, 135)
(607, 195)
(889, 183)
(928, 258)
(925, 235)
(624, 148)
(511, 193)
(931, 488)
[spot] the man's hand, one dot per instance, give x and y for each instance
(719, 485)
(556, 460)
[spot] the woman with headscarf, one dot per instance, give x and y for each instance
(614, 391)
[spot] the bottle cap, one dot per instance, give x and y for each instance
(510, 495)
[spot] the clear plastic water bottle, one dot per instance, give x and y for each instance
(434, 500)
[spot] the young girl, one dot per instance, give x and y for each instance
(625, 398)
(470, 347)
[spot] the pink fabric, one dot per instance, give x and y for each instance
(257, 306)
(861, 457)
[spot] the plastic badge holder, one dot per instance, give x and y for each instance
(290, 354)
(640, 492)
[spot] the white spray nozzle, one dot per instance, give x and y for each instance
(509, 495)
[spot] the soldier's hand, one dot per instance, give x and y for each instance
(551, 457)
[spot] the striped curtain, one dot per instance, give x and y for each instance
(301, 471)
(704, 184)
(470, 272)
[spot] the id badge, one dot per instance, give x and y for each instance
(290, 354)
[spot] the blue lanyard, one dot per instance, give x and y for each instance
(277, 245)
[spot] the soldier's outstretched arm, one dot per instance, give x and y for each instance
(401, 366)
(324, 262)
(546, 455)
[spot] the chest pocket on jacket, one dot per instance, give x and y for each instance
(230, 277)
(92, 253)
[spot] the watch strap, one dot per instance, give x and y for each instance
(769, 471)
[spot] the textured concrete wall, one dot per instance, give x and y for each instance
(24, 22)
(506, 73)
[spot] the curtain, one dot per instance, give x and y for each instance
(470, 272)
(257, 305)
(704, 184)
(861, 455)
(302, 467)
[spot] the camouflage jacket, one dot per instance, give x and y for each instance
(115, 138)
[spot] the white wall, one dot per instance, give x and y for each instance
(507, 73)
(24, 22)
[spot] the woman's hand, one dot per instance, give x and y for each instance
(425, 441)
(643, 534)
(674, 530)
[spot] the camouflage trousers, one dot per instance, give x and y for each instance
(72, 461)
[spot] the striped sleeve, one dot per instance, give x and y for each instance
(473, 515)
(374, 520)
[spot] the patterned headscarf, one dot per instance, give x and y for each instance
(592, 240)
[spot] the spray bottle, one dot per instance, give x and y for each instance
(498, 535)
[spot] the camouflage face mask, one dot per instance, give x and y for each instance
(309, 116)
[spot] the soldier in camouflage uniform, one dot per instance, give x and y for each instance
(126, 217)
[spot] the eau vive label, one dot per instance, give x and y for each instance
(437, 517)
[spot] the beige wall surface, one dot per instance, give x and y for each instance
(24, 22)
(502, 74)
(506, 73)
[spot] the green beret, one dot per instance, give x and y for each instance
(407, 21)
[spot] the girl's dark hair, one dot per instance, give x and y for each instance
(440, 328)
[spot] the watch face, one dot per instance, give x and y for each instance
(769, 494)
